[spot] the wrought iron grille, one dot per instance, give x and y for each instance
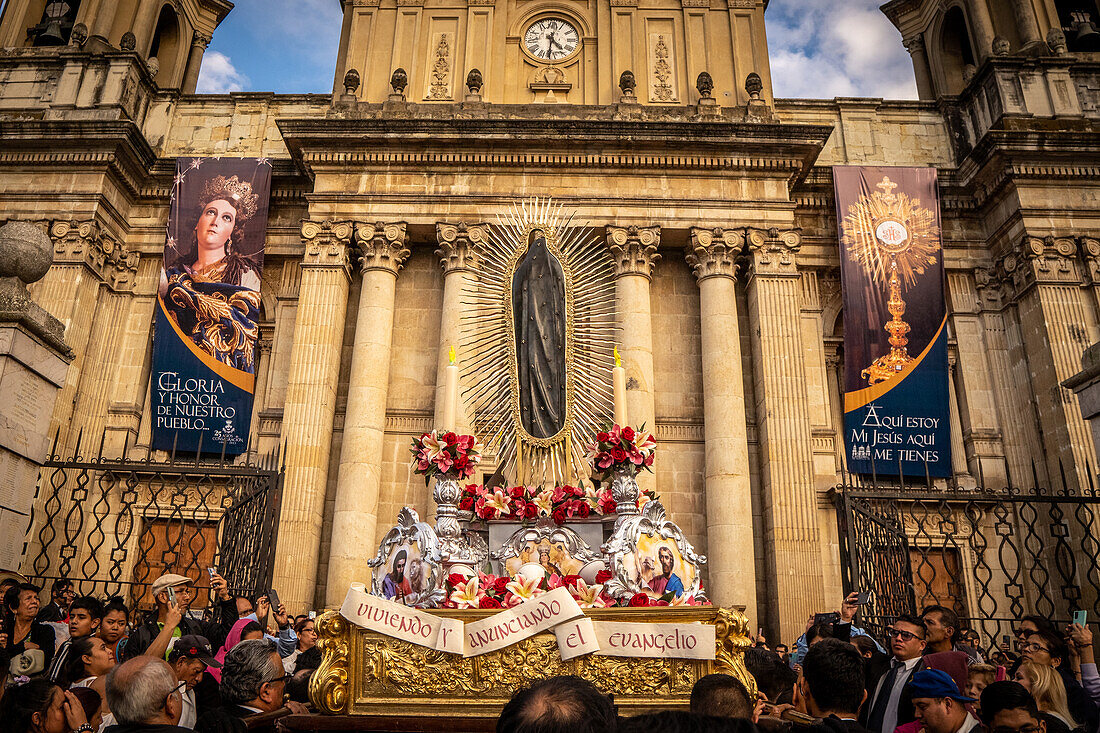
(990, 555)
(114, 526)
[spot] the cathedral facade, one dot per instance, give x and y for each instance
(653, 120)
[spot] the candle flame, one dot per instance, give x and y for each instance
(451, 354)
(618, 361)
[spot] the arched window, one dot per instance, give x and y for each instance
(56, 24)
(166, 46)
(956, 51)
(1080, 21)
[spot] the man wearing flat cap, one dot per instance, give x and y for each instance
(171, 621)
(938, 704)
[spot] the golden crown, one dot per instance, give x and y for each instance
(237, 192)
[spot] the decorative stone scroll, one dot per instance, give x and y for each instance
(644, 539)
(382, 246)
(634, 249)
(715, 252)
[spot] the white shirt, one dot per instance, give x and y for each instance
(290, 661)
(190, 714)
(890, 717)
(968, 725)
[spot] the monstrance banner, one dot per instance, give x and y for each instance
(896, 415)
(208, 305)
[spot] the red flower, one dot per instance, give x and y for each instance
(628, 433)
(530, 511)
(450, 438)
(500, 585)
(583, 510)
(603, 576)
(638, 600)
(488, 602)
(461, 464)
(618, 455)
(649, 460)
(519, 507)
(516, 492)
(454, 579)
(558, 515)
(570, 580)
(601, 437)
(659, 603)
(466, 503)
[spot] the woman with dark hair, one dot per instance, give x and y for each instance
(114, 626)
(307, 639)
(20, 609)
(88, 662)
(210, 288)
(40, 706)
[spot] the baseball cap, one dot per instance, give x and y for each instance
(169, 580)
(935, 683)
(197, 647)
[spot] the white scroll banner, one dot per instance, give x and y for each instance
(520, 622)
(400, 622)
(576, 638)
(667, 641)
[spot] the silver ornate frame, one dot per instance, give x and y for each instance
(545, 529)
(651, 522)
(409, 529)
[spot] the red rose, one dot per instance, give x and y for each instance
(603, 576)
(639, 600)
(606, 598)
(558, 515)
(583, 510)
(516, 492)
(531, 511)
(467, 503)
(570, 580)
(603, 437)
(618, 455)
(488, 602)
(454, 579)
(628, 433)
(519, 506)
(500, 585)
(450, 438)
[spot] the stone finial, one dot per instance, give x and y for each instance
(153, 64)
(1001, 46)
(26, 251)
(754, 85)
(969, 72)
(128, 42)
(705, 84)
(399, 81)
(1056, 39)
(351, 81)
(627, 83)
(78, 35)
(474, 81)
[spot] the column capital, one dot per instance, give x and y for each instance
(1089, 248)
(382, 246)
(914, 44)
(326, 243)
(1035, 260)
(87, 242)
(456, 245)
(715, 252)
(634, 249)
(772, 251)
(201, 40)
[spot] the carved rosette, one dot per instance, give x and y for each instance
(86, 242)
(328, 687)
(326, 243)
(382, 246)
(458, 245)
(772, 251)
(715, 252)
(1089, 248)
(634, 249)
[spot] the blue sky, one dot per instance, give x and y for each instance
(819, 48)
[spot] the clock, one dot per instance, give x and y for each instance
(551, 39)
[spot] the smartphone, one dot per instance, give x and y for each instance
(313, 614)
(826, 618)
(212, 572)
(273, 599)
(1006, 640)
(1081, 617)
(171, 596)
(863, 598)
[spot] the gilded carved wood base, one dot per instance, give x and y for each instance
(366, 673)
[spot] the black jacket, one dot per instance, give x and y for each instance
(1081, 706)
(215, 633)
(906, 713)
(145, 728)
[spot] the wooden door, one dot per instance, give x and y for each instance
(174, 546)
(937, 579)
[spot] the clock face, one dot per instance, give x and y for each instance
(551, 39)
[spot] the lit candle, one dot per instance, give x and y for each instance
(618, 382)
(450, 392)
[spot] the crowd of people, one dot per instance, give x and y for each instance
(76, 665)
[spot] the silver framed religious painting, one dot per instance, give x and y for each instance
(408, 568)
(559, 550)
(649, 554)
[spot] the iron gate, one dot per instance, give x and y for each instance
(990, 555)
(114, 526)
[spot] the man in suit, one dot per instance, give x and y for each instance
(253, 683)
(832, 686)
(57, 610)
(889, 706)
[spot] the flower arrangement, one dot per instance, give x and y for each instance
(448, 456)
(621, 450)
(527, 503)
(501, 591)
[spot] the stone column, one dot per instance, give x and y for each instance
(383, 249)
(915, 46)
(958, 448)
(458, 259)
(712, 254)
(199, 42)
(795, 586)
(310, 407)
(143, 27)
(834, 392)
(1026, 22)
(982, 26)
(634, 252)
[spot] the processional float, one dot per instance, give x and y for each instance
(551, 576)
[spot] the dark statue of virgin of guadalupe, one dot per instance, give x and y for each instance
(538, 314)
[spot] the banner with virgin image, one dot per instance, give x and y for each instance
(896, 410)
(208, 305)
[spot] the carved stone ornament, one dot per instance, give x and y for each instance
(87, 242)
(382, 246)
(421, 546)
(773, 250)
(627, 83)
(545, 531)
(326, 243)
(634, 249)
(128, 42)
(78, 35)
(474, 81)
(439, 84)
(715, 252)
(458, 245)
(662, 72)
(1001, 46)
(754, 85)
(1056, 40)
(705, 85)
(399, 81)
(644, 538)
(351, 81)
(153, 64)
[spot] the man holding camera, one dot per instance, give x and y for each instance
(173, 595)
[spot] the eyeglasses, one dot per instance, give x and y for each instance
(1024, 729)
(284, 678)
(1033, 647)
(180, 688)
(891, 632)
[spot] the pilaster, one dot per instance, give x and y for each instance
(634, 253)
(712, 255)
(383, 249)
(311, 405)
(786, 449)
(457, 251)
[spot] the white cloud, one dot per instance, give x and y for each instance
(219, 76)
(825, 48)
